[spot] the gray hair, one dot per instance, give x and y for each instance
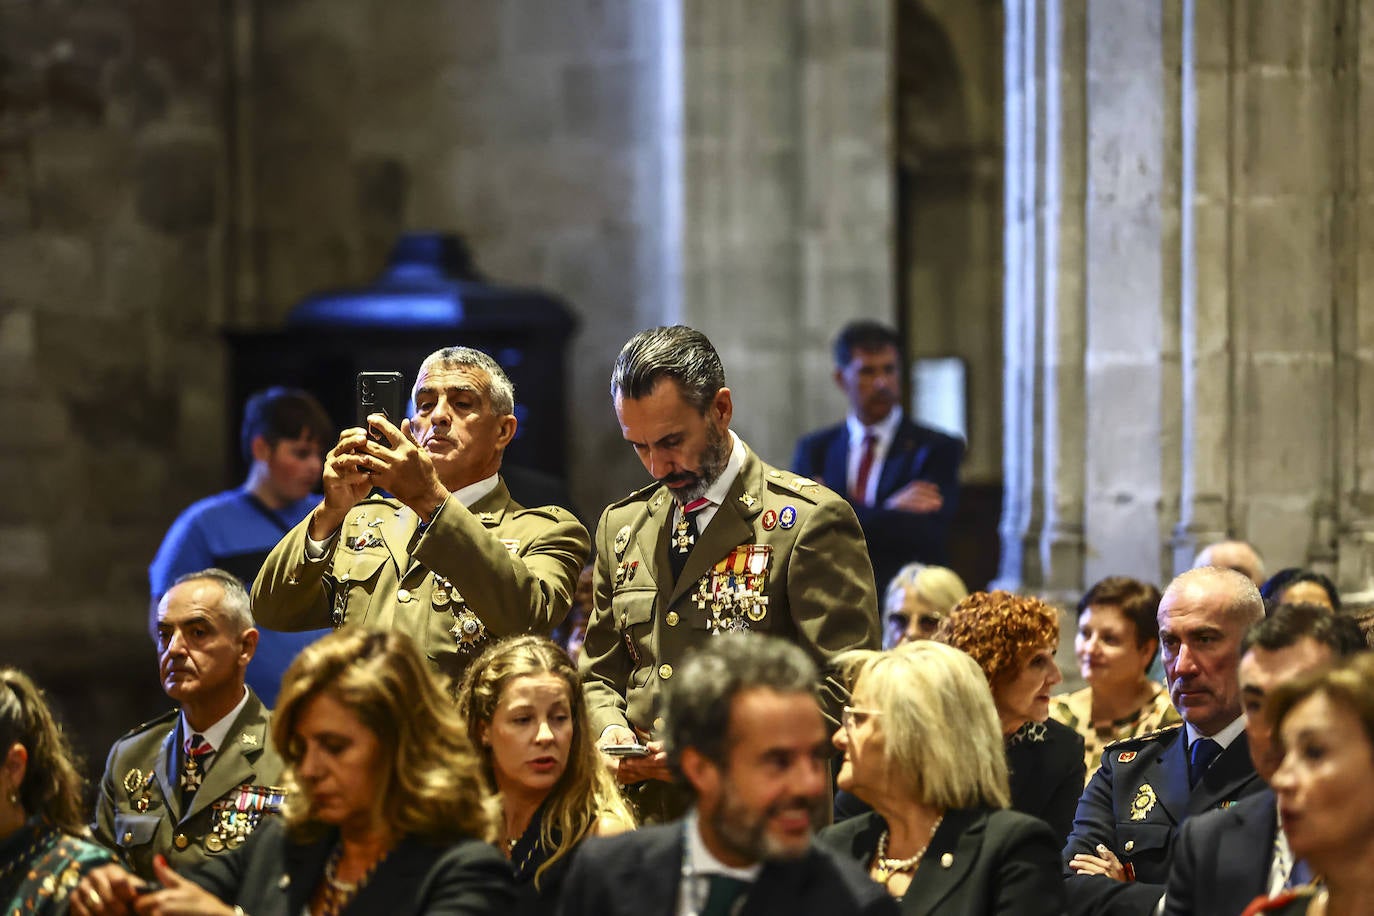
(235, 603)
(1243, 602)
(703, 692)
(678, 353)
(500, 391)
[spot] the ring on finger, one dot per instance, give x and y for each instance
(93, 897)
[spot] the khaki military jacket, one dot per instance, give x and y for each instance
(494, 570)
(782, 555)
(139, 814)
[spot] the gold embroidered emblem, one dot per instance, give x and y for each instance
(1143, 802)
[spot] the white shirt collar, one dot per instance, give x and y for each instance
(1224, 737)
(698, 860)
(717, 491)
(884, 429)
(215, 734)
(473, 492)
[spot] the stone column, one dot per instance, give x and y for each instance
(787, 204)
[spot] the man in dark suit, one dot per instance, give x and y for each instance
(1117, 858)
(901, 478)
(1225, 859)
(745, 732)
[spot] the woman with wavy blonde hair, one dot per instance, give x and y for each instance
(523, 704)
(385, 809)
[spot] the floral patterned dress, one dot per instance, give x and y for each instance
(39, 866)
(1075, 711)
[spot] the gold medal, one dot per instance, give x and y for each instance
(467, 630)
(214, 842)
(1142, 803)
(132, 780)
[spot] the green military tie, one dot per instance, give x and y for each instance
(723, 892)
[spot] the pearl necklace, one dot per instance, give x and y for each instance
(886, 869)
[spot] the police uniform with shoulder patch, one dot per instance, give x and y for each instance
(1135, 805)
(472, 575)
(139, 813)
(782, 555)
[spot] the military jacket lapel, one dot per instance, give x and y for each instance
(233, 763)
(166, 769)
(1226, 779)
(398, 524)
(1168, 776)
(731, 526)
(652, 540)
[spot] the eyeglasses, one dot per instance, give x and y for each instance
(852, 717)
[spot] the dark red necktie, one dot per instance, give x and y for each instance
(860, 492)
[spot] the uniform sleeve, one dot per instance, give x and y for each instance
(291, 593)
(528, 589)
(830, 591)
(1028, 880)
(605, 663)
(1094, 823)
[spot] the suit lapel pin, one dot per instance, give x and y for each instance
(769, 520)
(622, 540)
(249, 740)
(748, 500)
(947, 860)
(788, 516)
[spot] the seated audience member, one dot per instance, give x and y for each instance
(1325, 724)
(386, 812)
(1013, 639)
(1225, 859)
(917, 599)
(42, 853)
(1295, 585)
(525, 714)
(745, 731)
(1237, 555)
(922, 745)
(284, 435)
(1117, 639)
(195, 781)
(1117, 858)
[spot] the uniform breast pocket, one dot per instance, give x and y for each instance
(134, 830)
(355, 578)
(633, 610)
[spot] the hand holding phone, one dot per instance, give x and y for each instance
(383, 393)
(624, 750)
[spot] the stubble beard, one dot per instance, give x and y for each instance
(714, 458)
(745, 833)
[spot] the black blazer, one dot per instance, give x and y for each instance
(1000, 862)
(1221, 858)
(1135, 804)
(895, 538)
(272, 876)
(1047, 777)
(638, 874)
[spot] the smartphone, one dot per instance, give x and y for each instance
(383, 393)
(624, 750)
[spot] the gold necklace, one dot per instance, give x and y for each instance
(886, 869)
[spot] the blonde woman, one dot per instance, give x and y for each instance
(523, 704)
(923, 747)
(917, 599)
(385, 809)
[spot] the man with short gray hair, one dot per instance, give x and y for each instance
(1118, 855)
(419, 532)
(195, 781)
(745, 732)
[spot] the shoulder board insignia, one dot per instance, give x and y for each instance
(1164, 732)
(169, 714)
(640, 495)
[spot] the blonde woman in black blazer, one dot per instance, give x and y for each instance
(922, 746)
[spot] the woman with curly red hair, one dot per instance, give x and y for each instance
(1013, 639)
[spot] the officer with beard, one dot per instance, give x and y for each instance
(720, 543)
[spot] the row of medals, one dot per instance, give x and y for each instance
(232, 822)
(468, 631)
(734, 599)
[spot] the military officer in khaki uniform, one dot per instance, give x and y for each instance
(196, 781)
(720, 543)
(448, 557)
